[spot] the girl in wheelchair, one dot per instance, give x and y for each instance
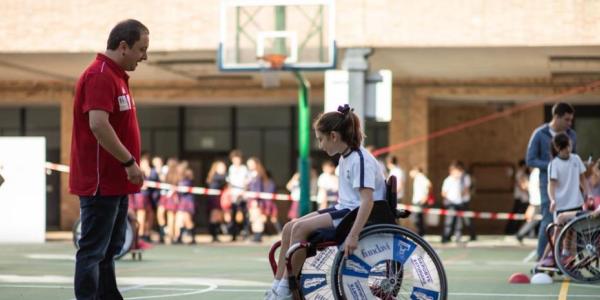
(361, 182)
(566, 175)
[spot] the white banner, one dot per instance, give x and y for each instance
(23, 192)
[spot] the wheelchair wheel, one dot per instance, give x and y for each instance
(315, 276)
(390, 263)
(577, 249)
(126, 246)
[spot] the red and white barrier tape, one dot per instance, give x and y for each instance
(189, 189)
(288, 197)
(466, 213)
(57, 167)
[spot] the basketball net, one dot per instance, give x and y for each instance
(271, 69)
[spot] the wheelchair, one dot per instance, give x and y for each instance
(576, 250)
(390, 262)
(131, 238)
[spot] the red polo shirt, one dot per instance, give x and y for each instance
(104, 85)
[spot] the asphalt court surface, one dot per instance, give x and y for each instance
(478, 270)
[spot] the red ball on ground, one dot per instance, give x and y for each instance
(518, 278)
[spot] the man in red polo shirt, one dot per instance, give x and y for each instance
(105, 152)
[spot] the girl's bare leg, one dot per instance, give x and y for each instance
(300, 232)
(286, 236)
(141, 218)
(149, 221)
(171, 230)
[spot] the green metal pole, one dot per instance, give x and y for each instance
(303, 143)
(280, 25)
(238, 29)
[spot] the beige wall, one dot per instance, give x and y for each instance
(75, 25)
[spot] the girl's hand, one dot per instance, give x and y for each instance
(350, 245)
(552, 205)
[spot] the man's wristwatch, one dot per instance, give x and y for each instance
(128, 163)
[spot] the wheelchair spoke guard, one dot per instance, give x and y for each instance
(391, 263)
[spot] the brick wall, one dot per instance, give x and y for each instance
(83, 25)
(491, 149)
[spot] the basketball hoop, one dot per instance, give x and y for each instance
(273, 61)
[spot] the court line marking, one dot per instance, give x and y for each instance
(121, 289)
(518, 296)
(196, 291)
(12, 278)
(530, 256)
(43, 256)
(564, 290)
(211, 287)
(586, 285)
(132, 288)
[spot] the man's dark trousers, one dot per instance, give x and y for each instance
(103, 227)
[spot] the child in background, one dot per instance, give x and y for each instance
(155, 167)
(533, 210)
(420, 196)
(257, 183)
(565, 178)
(167, 205)
(293, 186)
(328, 185)
(269, 207)
(593, 183)
(145, 212)
(186, 208)
(216, 179)
(237, 178)
(394, 169)
(453, 200)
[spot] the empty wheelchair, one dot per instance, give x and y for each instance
(577, 248)
(390, 262)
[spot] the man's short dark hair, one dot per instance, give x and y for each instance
(129, 31)
(561, 108)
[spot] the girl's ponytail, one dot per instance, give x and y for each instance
(345, 122)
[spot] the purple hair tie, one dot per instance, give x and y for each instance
(345, 109)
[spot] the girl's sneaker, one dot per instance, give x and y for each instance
(547, 262)
(285, 297)
(271, 294)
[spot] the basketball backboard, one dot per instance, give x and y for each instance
(301, 30)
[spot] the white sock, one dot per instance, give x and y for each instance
(275, 284)
(283, 288)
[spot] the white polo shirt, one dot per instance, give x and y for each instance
(328, 182)
(359, 169)
(400, 179)
(452, 187)
(566, 172)
(421, 186)
(237, 176)
(535, 198)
